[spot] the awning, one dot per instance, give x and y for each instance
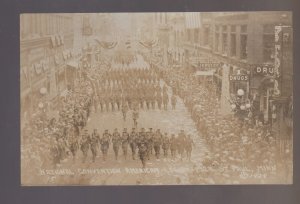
(73, 64)
(204, 73)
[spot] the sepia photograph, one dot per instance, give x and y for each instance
(164, 98)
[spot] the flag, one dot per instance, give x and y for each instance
(192, 20)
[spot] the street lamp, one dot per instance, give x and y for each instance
(240, 92)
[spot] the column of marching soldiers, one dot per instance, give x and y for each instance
(130, 89)
(142, 144)
(126, 89)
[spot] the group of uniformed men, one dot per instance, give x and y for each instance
(142, 143)
(120, 88)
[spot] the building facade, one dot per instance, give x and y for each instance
(46, 41)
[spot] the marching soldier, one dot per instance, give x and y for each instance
(85, 144)
(157, 143)
(189, 146)
(149, 138)
(95, 102)
(125, 139)
(159, 99)
(173, 101)
(112, 101)
(118, 100)
(106, 101)
(116, 140)
(74, 146)
(105, 143)
(54, 152)
(95, 139)
(166, 144)
(142, 145)
(133, 142)
(152, 98)
(101, 102)
(173, 146)
(165, 100)
(135, 116)
(124, 109)
(181, 143)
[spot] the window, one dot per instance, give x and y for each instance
(233, 41)
(206, 35)
(217, 42)
(243, 46)
(224, 40)
(217, 38)
(196, 36)
(268, 43)
(233, 44)
(160, 18)
(244, 38)
(224, 43)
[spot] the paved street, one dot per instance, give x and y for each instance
(161, 171)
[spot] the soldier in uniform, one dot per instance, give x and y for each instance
(74, 146)
(95, 102)
(105, 140)
(149, 137)
(152, 96)
(85, 144)
(173, 101)
(112, 101)
(159, 99)
(118, 99)
(181, 143)
(135, 116)
(106, 100)
(165, 100)
(101, 102)
(125, 140)
(132, 142)
(189, 143)
(95, 139)
(124, 109)
(157, 143)
(166, 144)
(142, 145)
(54, 152)
(116, 140)
(173, 146)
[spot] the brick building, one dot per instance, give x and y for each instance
(46, 41)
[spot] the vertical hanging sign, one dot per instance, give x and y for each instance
(278, 45)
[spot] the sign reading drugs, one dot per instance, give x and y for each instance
(277, 56)
(263, 70)
(238, 77)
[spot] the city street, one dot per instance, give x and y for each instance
(128, 172)
(233, 90)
